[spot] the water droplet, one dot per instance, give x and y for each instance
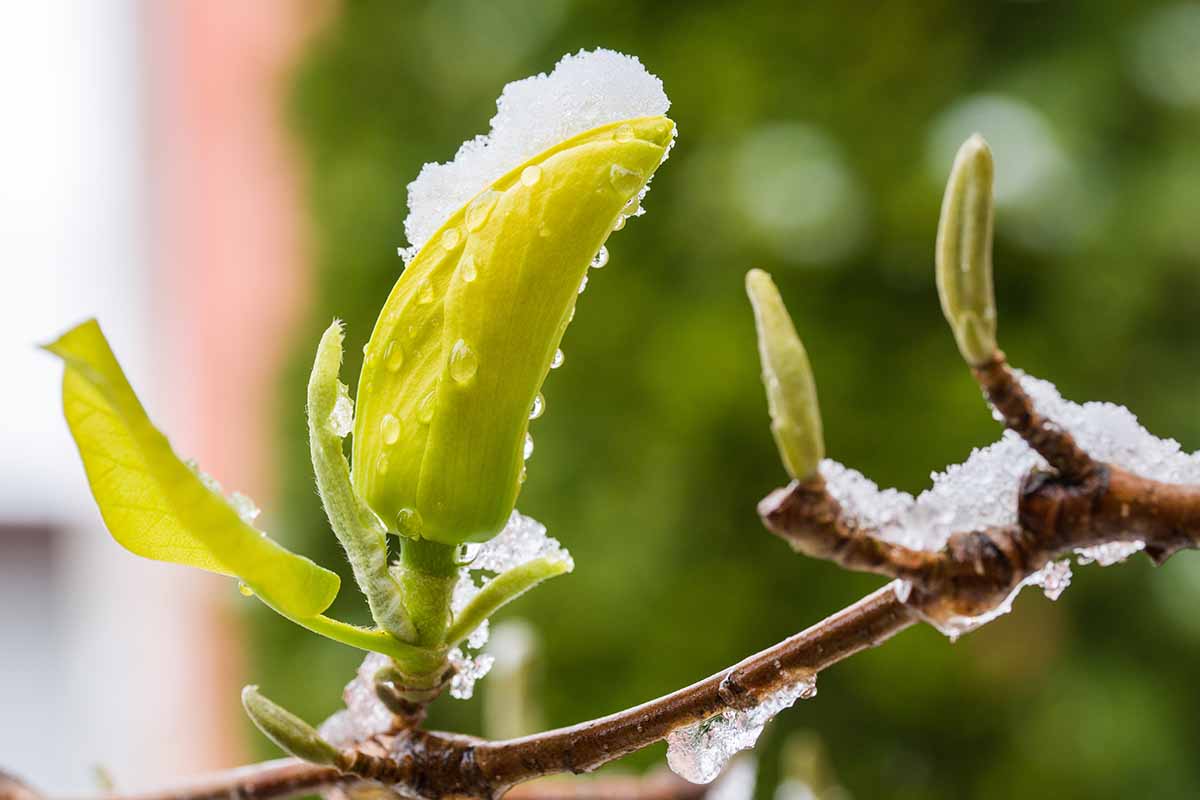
(393, 356)
(381, 463)
(408, 523)
(528, 451)
(425, 292)
(466, 269)
(524, 474)
(583, 284)
(620, 223)
(468, 551)
(531, 175)
(245, 590)
(557, 360)
(601, 259)
(571, 316)
(479, 211)
(366, 347)
(624, 133)
(625, 180)
(425, 410)
(451, 238)
(539, 406)
(463, 362)
(389, 428)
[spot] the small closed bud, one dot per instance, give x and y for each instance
(787, 376)
(292, 734)
(964, 252)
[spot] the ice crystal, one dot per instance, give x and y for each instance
(700, 751)
(365, 714)
(1108, 554)
(341, 418)
(982, 492)
(584, 91)
(1054, 578)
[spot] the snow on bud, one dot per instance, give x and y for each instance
(787, 376)
(471, 329)
(292, 734)
(964, 252)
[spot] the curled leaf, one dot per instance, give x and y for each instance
(469, 332)
(292, 734)
(153, 503)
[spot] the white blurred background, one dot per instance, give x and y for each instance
(146, 183)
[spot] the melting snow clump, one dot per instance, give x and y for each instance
(584, 91)
(982, 492)
(365, 714)
(522, 540)
(699, 752)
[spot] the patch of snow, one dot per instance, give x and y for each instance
(584, 91)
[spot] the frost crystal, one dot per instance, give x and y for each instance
(245, 507)
(522, 540)
(982, 491)
(584, 91)
(699, 752)
(1108, 554)
(365, 713)
(341, 418)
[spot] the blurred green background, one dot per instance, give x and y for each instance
(814, 142)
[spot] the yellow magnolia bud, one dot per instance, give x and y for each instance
(467, 336)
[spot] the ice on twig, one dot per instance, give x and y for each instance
(583, 91)
(699, 752)
(341, 417)
(1108, 554)
(982, 492)
(365, 714)
(1054, 578)
(522, 540)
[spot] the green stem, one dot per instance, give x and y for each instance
(501, 590)
(427, 572)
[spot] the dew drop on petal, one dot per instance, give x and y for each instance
(528, 451)
(625, 180)
(601, 259)
(539, 406)
(393, 356)
(583, 284)
(389, 428)
(425, 292)
(381, 463)
(466, 269)
(557, 360)
(480, 210)
(451, 238)
(623, 133)
(463, 362)
(531, 175)
(409, 523)
(620, 223)
(245, 590)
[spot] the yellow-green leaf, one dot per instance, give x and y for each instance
(465, 340)
(153, 503)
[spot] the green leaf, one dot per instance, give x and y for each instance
(293, 735)
(465, 340)
(153, 503)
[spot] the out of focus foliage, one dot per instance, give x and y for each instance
(814, 142)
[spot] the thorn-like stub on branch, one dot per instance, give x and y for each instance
(787, 376)
(964, 252)
(292, 734)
